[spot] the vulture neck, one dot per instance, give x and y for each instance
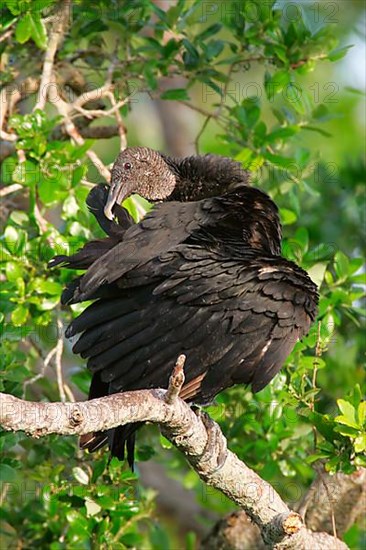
(202, 177)
(252, 222)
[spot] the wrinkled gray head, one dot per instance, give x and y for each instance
(139, 170)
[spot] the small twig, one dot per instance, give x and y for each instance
(45, 364)
(64, 110)
(176, 381)
(56, 34)
(126, 525)
(7, 137)
(96, 113)
(58, 360)
(121, 127)
(55, 355)
(198, 109)
(4, 492)
(21, 156)
(91, 95)
(89, 132)
(332, 513)
(69, 393)
(6, 35)
(10, 189)
(318, 352)
(198, 137)
(41, 221)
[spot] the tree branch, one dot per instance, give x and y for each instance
(59, 25)
(340, 496)
(344, 499)
(197, 436)
(4, 191)
(64, 110)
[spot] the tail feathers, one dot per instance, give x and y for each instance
(121, 442)
(122, 439)
(93, 441)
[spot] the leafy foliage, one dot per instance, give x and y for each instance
(247, 65)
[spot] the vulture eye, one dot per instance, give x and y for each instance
(127, 166)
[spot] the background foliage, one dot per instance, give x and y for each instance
(262, 82)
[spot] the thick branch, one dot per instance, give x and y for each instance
(343, 499)
(200, 439)
(340, 497)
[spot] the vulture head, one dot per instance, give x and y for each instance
(139, 170)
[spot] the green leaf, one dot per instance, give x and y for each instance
(274, 84)
(46, 287)
(7, 168)
(46, 304)
(26, 173)
(294, 96)
(13, 6)
(165, 443)
(362, 413)
(278, 160)
(80, 475)
(13, 271)
(92, 508)
(253, 113)
(191, 56)
(70, 207)
(19, 315)
(19, 217)
(287, 216)
(338, 53)
(282, 133)
(178, 94)
(360, 443)
(214, 48)
(24, 28)
(341, 265)
(317, 130)
(81, 379)
(321, 113)
(7, 474)
(323, 423)
(11, 238)
(50, 192)
(210, 31)
(39, 34)
(245, 157)
(347, 431)
(348, 416)
(316, 272)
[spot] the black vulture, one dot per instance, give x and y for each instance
(202, 274)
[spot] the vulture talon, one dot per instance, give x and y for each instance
(216, 446)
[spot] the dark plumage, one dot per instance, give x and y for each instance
(201, 274)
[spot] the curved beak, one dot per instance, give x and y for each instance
(117, 193)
